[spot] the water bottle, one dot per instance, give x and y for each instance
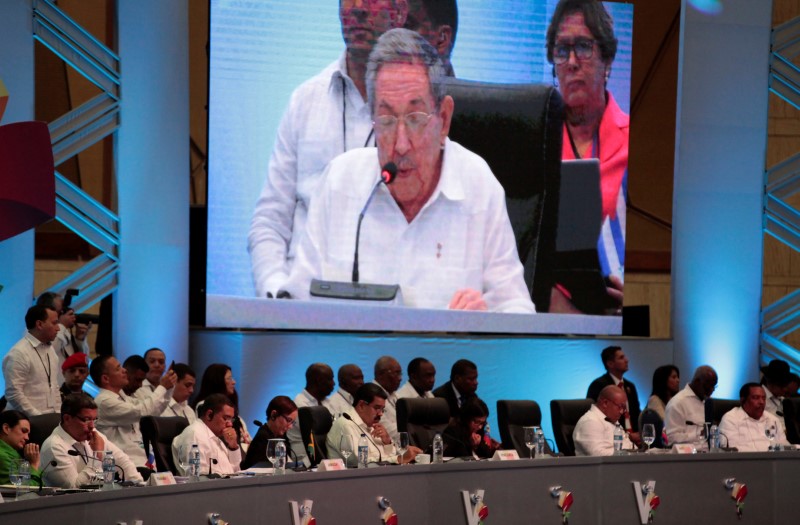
(194, 462)
(280, 458)
(438, 449)
(109, 469)
(363, 451)
(619, 435)
(713, 443)
(539, 444)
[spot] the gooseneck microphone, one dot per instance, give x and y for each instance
(86, 457)
(350, 419)
(40, 477)
(388, 174)
(212, 461)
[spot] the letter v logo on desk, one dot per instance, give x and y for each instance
(301, 514)
(474, 507)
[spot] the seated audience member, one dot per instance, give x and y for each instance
(214, 434)
(66, 343)
(119, 414)
(616, 364)
(30, 368)
(666, 383)
(776, 382)
(421, 377)
(686, 411)
(364, 418)
(137, 369)
(466, 436)
(75, 370)
(77, 433)
(472, 264)
(388, 376)
(793, 386)
(156, 361)
(15, 429)
(350, 378)
(185, 379)
(594, 433)
(281, 416)
(463, 385)
(218, 379)
(319, 384)
(745, 427)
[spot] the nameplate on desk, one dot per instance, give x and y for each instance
(683, 448)
(329, 465)
(158, 479)
(505, 455)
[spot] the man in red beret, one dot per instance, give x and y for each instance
(75, 370)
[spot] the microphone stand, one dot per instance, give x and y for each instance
(378, 448)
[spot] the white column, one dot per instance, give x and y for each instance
(151, 303)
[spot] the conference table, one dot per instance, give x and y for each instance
(691, 489)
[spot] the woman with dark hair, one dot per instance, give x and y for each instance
(218, 379)
(281, 416)
(466, 435)
(666, 383)
(15, 429)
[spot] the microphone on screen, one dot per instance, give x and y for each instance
(388, 174)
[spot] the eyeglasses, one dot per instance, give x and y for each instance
(583, 47)
(289, 421)
(415, 122)
(86, 420)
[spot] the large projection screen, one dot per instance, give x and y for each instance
(260, 52)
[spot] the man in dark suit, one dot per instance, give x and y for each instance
(462, 385)
(616, 363)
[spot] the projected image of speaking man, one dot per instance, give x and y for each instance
(440, 230)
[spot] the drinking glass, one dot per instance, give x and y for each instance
(271, 452)
(530, 439)
(771, 433)
(346, 447)
(183, 458)
(402, 444)
(648, 435)
(19, 472)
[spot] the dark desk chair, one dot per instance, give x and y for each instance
(720, 406)
(517, 129)
(42, 426)
(512, 417)
(159, 432)
(565, 414)
(317, 421)
(791, 415)
(422, 419)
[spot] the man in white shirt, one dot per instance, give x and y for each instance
(388, 376)
(746, 427)
(185, 380)
(30, 369)
(421, 378)
(364, 418)
(215, 437)
(119, 413)
(776, 385)
(77, 434)
(685, 413)
(594, 432)
(319, 384)
(327, 115)
(137, 369)
(156, 361)
(350, 378)
(440, 230)
(65, 343)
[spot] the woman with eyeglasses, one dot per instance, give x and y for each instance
(466, 436)
(281, 416)
(15, 431)
(581, 46)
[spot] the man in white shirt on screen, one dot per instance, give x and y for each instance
(421, 378)
(746, 427)
(440, 230)
(350, 379)
(327, 115)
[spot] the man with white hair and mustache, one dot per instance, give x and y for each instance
(440, 230)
